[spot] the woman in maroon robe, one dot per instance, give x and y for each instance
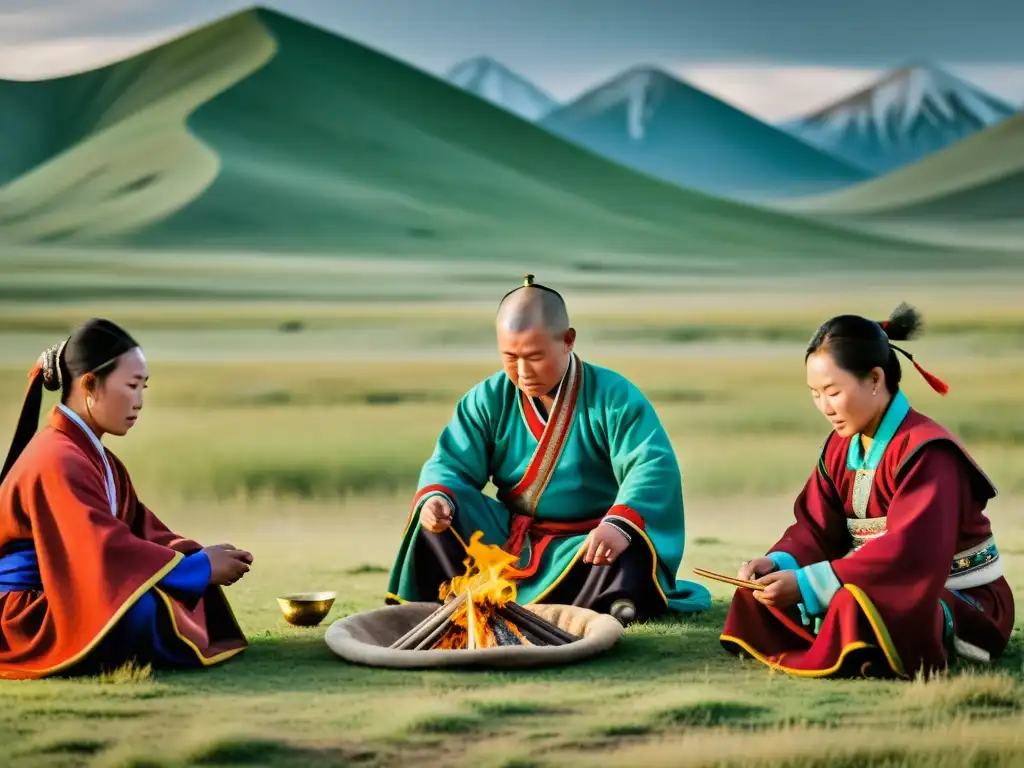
(89, 577)
(890, 567)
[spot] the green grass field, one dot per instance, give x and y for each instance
(297, 428)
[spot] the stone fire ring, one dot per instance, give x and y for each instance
(363, 638)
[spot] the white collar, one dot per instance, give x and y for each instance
(111, 488)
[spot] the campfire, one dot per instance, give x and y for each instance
(480, 610)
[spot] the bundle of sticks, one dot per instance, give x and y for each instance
(462, 624)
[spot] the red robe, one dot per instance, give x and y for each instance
(887, 617)
(93, 566)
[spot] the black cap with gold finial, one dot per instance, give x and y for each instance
(527, 280)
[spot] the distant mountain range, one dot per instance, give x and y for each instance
(282, 137)
(496, 83)
(653, 122)
(904, 116)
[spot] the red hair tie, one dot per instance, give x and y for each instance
(933, 381)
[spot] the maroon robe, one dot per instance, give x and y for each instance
(924, 508)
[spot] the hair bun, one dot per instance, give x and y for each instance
(49, 364)
(904, 323)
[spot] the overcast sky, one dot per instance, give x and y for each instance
(772, 62)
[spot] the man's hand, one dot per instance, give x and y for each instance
(227, 563)
(604, 544)
(782, 591)
(759, 566)
(436, 514)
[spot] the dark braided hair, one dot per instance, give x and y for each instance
(94, 348)
(859, 345)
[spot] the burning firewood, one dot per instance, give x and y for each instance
(439, 619)
(480, 610)
(530, 622)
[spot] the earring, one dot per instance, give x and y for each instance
(874, 392)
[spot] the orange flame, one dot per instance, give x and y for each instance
(487, 589)
(484, 578)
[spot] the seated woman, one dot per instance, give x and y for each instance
(89, 578)
(890, 567)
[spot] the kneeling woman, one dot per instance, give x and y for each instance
(890, 567)
(89, 577)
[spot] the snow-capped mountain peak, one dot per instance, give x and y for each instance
(906, 114)
(493, 81)
(640, 89)
(648, 119)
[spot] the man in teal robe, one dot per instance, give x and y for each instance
(589, 492)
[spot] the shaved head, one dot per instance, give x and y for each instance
(534, 339)
(531, 308)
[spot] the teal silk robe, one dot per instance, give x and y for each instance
(602, 452)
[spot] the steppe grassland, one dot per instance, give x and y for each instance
(298, 430)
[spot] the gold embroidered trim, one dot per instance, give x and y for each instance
(862, 483)
(559, 422)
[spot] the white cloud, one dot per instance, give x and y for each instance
(1004, 80)
(775, 93)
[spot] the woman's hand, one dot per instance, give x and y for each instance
(759, 566)
(227, 563)
(781, 591)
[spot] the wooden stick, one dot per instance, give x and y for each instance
(428, 642)
(533, 625)
(531, 638)
(524, 615)
(398, 643)
(504, 632)
(537, 635)
(470, 622)
(728, 579)
(438, 618)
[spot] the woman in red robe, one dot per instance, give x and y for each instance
(890, 567)
(89, 577)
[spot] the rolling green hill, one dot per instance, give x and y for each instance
(262, 133)
(970, 194)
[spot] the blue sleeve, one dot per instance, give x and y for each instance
(783, 561)
(191, 575)
(818, 585)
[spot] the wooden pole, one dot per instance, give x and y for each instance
(528, 619)
(438, 618)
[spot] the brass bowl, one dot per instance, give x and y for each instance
(306, 609)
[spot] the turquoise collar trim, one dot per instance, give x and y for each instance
(894, 415)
